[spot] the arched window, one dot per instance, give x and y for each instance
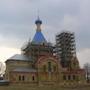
(74, 77)
(19, 78)
(33, 78)
(49, 66)
(69, 77)
(23, 78)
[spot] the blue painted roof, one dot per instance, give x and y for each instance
(39, 38)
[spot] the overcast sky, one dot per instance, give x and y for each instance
(17, 23)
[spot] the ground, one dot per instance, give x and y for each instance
(23, 87)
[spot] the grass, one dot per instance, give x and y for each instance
(27, 87)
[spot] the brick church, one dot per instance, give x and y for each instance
(41, 63)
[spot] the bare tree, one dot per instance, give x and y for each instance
(87, 70)
(2, 69)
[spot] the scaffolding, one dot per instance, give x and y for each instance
(65, 47)
(37, 50)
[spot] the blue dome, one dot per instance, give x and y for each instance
(39, 38)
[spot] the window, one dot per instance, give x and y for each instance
(19, 78)
(69, 77)
(74, 77)
(49, 66)
(33, 78)
(23, 78)
(64, 77)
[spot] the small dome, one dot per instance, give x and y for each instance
(38, 21)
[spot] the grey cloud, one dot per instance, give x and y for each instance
(17, 19)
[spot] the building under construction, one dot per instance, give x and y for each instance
(39, 65)
(65, 46)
